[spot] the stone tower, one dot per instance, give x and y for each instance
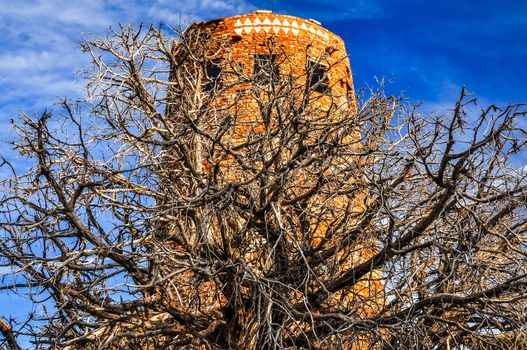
(269, 48)
(241, 65)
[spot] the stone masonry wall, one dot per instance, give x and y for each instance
(299, 41)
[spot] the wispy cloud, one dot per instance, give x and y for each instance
(39, 52)
(81, 12)
(39, 45)
(39, 49)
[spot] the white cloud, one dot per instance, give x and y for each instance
(39, 49)
(81, 12)
(31, 60)
(39, 46)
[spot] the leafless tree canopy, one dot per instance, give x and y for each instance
(157, 216)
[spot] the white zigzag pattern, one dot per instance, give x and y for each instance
(257, 25)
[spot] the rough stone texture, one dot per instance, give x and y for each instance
(234, 44)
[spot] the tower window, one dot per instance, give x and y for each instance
(266, 70)
(318, 77)
(213, 71)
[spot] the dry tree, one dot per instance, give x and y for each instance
(155, 217)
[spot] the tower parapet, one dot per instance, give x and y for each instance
(303, 43)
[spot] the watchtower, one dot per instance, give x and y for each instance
(249, 77)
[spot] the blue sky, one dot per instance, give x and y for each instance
(428, 48)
